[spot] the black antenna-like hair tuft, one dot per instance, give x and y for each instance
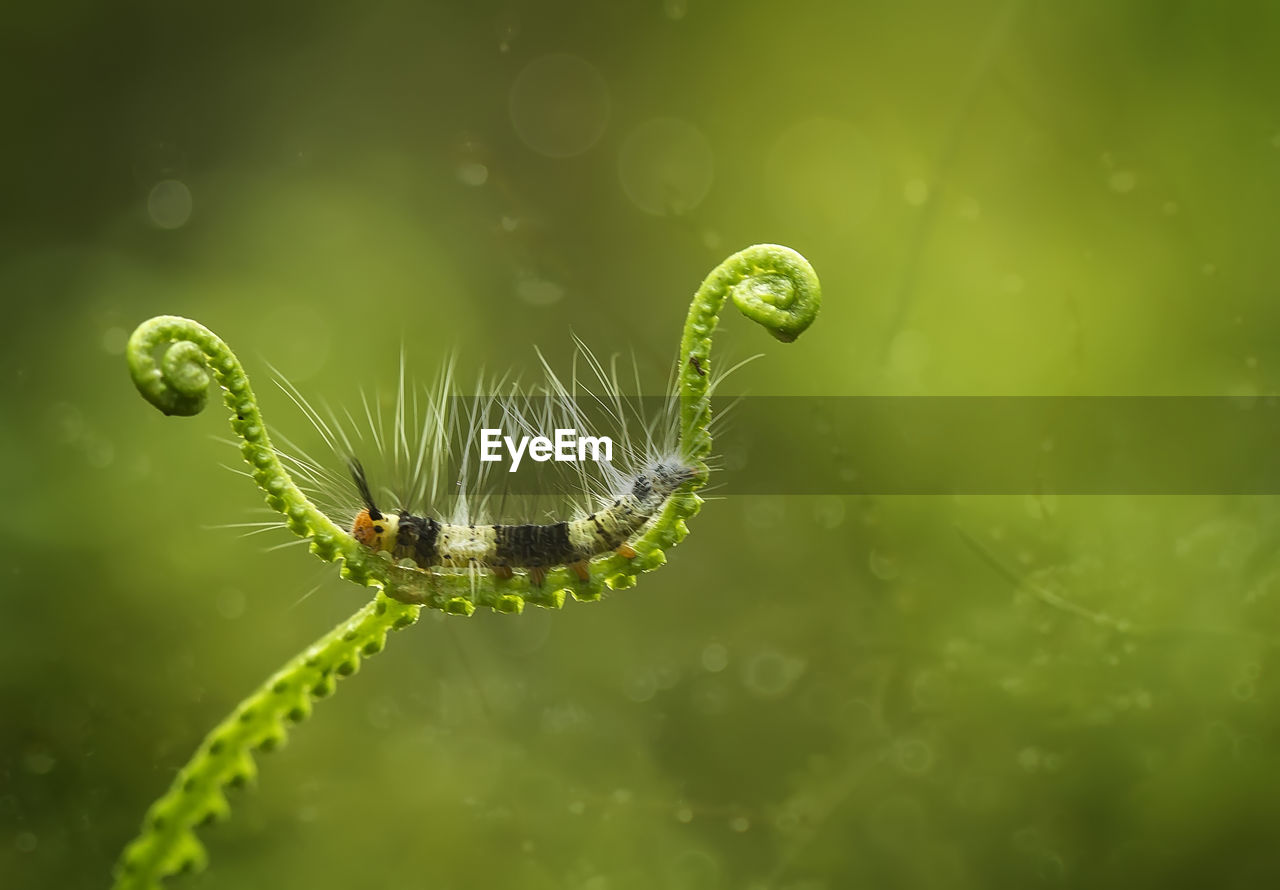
(362, 484)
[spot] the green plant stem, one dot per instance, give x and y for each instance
(168, 844)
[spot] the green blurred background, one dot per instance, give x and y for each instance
(1010, 198)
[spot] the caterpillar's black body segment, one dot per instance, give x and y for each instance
(416, 538)
(535, 545)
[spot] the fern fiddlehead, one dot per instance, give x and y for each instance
(772, 285)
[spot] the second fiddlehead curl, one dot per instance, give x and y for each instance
(773, 286)
(770, 284)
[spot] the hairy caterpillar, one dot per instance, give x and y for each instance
(618, 499)
(427, 542)
(413, 522)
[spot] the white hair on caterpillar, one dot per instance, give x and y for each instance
(433, 496)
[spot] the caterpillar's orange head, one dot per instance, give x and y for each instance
(376, 533)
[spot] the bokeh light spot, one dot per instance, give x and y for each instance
(169, 204)
(666, 166)
(640, 685)
(472, 173)
(913, 756)
(829, 512)
(883, 565)
(1122, 181)
(675, 9)
(538, 291)
(114, 340)
(230, 603)
(715, 657)
(559, 105)
(39, 761)
(770, 674)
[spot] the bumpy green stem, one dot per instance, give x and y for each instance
(167, 844)
(771, 285)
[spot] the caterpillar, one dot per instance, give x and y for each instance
(502, 548)
(616, 499)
